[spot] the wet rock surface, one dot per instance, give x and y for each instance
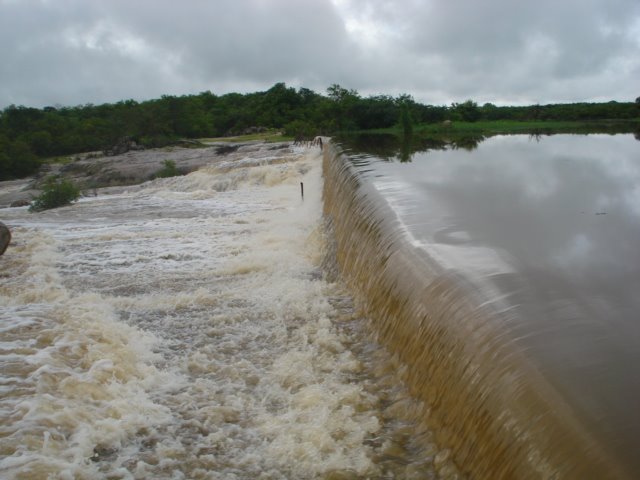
(20, 203)
(92, 171)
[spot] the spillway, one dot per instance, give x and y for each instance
(462, 271)
(184, 328)
(218, 325)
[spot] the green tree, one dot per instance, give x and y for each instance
(16, 159)
(343, 102)
(299, 129)
(406, 123)
(375, 112)
(467, 111)
(340, 94)
(429, 113)
(5, 160)
(40, 142)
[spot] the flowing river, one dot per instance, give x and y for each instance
(471, 313)
(184, 328)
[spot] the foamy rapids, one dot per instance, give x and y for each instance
(183, 328)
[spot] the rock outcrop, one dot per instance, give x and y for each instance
(123, 146)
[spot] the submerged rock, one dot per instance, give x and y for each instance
(5, 237)
(101, 454)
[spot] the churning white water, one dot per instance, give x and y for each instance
(183, 329)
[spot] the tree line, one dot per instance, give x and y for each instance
(28, 135)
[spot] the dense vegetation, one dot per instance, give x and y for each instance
(27, 135)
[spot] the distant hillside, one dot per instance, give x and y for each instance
(28, 135)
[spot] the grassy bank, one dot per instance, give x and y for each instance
(269, 136)
(514, 126)
(391, 143)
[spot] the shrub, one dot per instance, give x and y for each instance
(168, 170)
(57, 192)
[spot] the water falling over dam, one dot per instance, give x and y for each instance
(183, 328)
(219, 326)
(516, 383)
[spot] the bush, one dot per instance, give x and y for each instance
(168, 170)
(57, 192)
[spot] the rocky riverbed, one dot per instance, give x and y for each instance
(95, 171)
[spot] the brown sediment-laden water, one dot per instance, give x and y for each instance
(185, 328)
(505, 279)
(468, 314)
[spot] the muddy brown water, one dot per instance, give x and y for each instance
(506, 278)
(189, 328)
(468, 314)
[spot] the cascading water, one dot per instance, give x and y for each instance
(198, 327)
(483, 397)
(182, 329)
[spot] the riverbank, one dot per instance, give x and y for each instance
(184, 328)
(93, 171)
(497, 127)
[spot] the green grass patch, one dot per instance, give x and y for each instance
(497, 127)
(392, 143)
(271, 136)
(61, 160)
(169, 169)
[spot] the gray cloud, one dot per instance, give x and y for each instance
(74, 51)
(517, 51)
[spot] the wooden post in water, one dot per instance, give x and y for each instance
(302, 190)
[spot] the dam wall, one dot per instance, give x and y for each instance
(480, 392)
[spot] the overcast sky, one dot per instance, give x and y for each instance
(70, 52)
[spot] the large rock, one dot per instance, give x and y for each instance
(22, 202)
(5, 237)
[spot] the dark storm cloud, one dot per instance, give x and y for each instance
(78, 51)
(255, 40)
(72, 51)
(517, 51)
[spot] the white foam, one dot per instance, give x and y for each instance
(182, 329)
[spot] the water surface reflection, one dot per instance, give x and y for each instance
(548, 228)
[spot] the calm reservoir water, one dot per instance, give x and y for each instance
(547, 232)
